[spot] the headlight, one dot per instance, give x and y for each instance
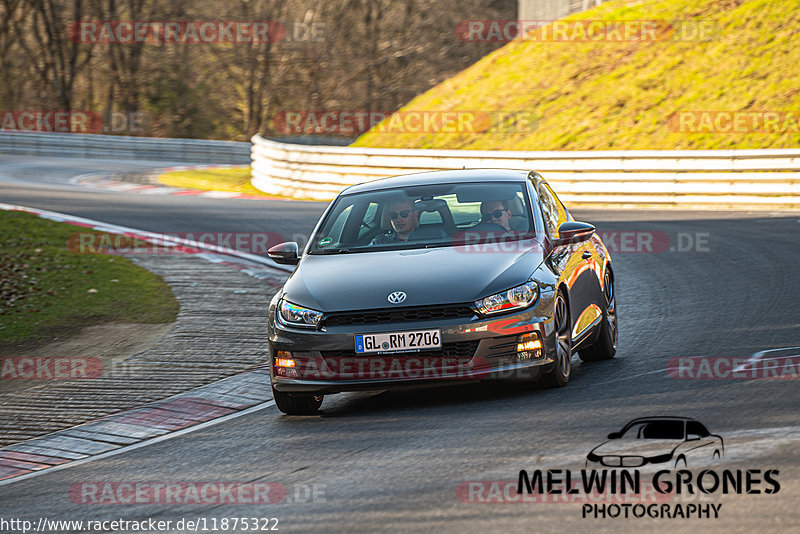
(660, 459)
(294, 315)
(515, 298)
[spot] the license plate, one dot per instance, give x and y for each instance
(398, 341)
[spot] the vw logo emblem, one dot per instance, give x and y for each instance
(396, 297)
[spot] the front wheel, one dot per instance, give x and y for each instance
(606, 345)
(290, 405)
(562, 368)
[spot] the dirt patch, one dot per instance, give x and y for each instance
(108, 343)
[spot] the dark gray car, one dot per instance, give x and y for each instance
(438, 277)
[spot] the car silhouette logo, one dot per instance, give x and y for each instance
(678, 441)
(396, 297)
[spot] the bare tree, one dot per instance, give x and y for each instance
(58, 58)
(372, 55)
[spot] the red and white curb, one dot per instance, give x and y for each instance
(250, 264)
(158, 421)
(109, 183)
(186, 412)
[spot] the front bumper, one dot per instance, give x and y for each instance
(472, 350)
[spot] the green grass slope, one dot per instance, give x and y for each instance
(48, 289)
(621, 95)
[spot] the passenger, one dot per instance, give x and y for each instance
(404, 218)
(497, 212)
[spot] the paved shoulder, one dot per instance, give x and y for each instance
(220, 331)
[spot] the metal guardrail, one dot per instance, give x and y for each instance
(118, 147)
(720, 178)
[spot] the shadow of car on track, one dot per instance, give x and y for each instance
(413, 399)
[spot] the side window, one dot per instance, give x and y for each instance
(550, 209)
(696, 428)
(430, 217)
(370, 224)
(338, 224)
(553, 210)
(464, 214)
(635, 431)
(663, 430)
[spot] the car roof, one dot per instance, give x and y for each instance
(441, 177)
(661, 418)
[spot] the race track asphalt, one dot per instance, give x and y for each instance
(393, 461)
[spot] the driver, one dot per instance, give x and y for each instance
(404, 218)
(497, 212)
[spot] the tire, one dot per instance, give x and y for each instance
(606, 345)
(290, 405)
(562, 368)
(679, 461)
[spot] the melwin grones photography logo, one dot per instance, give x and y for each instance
(640, 469)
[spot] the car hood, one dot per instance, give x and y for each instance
(359, 281)
(637, 447)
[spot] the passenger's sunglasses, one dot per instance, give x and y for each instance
(496, 214)
(404, 214)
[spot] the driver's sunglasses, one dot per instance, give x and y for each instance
(496, 214)
(404, 214)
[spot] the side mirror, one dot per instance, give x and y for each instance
(614, 435)
(573, 232)
(284, 253)
(692, 437)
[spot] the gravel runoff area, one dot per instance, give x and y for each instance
(220, 331)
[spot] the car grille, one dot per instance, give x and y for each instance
(461, 350)
(398, 315)
(622, 461)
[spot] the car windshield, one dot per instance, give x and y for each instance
(425, 216)
(655, 430)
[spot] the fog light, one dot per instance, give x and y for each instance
(283, 359)
(530, 346)
(285, 365)
(286, 373)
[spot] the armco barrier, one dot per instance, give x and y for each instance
(718, 178)
(119, 147)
